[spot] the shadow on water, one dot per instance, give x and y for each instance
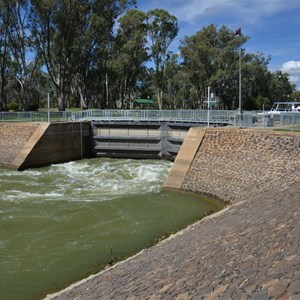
(61, 223)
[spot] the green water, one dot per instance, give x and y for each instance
(61, 223)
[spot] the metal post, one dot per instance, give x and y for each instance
(240, 85)
(48, 103)
(208, 105)
(293, 112)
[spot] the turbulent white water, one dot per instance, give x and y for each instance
(60, 223)
(87, 180)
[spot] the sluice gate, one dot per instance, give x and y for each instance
(138, 139)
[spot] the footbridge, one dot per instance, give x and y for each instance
(212, 117)
(146, 133)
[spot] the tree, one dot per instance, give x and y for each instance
(129, 53)
(4, 50)
(162, 30)
(94, 77)
(17, 48)
(295, 96)
(255, 81)
(211, 59)
(23, 50)
(177, 86)
(56, 24)
(280, 87)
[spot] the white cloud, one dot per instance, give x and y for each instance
(292, 67)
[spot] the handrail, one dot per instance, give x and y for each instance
(155, 115)
(230, 117)
(33, 116)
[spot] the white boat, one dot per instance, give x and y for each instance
(284, 107)
(269, 118)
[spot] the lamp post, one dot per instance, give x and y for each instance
(240, 81)
(240, 85)
(48, 104)
(238, 32)
(208, 105)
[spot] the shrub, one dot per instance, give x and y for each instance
(33, 107)
(13, 106)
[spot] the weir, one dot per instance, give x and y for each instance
(138, 139)
(41, 144)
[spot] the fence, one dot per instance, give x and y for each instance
(229, 117)
(216, 116)
(290, 118)
(31, 116)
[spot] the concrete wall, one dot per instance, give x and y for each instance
(27, 145)
(238, 164)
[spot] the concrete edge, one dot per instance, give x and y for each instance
(184, 158)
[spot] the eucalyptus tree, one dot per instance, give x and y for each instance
(295, 96)
(94, 77)
(129, 53)
(162, 30)
(18, 45)
(73, 38)
(54, 25)
(177, 86)
(255, 80)
(280, 88)
(227, 47)
(211, 57)
(198, 53)
(145, 86)
(5, 55)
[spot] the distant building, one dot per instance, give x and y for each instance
(214, 102)
(143, 103)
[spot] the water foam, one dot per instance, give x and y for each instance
(86, 180)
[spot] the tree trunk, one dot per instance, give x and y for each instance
(60, 101)
(3, 102)
(106, 90)
(159, 98)
(83, 99)
(23, 95)
(25, 102)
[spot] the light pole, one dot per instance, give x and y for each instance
(48, 104)
(238, 32)
(240, 80)
(208, 105)
(240, 85)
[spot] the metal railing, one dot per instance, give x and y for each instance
(30, 116)
(217, 116)
(290, 118)
(230, 117)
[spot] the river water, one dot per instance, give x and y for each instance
(61, 223)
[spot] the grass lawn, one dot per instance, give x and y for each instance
(295, 128)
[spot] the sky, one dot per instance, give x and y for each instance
(272, 25)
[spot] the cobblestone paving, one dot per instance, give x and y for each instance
(249, 250)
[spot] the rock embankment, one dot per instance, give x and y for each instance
(236, 165)
(13, 138)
